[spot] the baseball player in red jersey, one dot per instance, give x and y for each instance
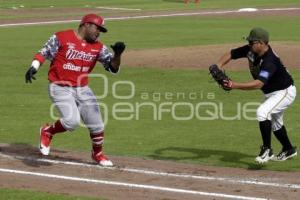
(73, 55)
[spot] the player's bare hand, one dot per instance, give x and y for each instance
(118, 48)
(228, 84)
(30, 75)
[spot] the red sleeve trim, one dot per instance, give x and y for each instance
(40, 58)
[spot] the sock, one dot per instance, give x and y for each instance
(97, 142)
(57, 127)
(265, 130)
(283, 138)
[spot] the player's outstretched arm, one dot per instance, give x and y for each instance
(48, 51)
(251, 85)
(224, 60)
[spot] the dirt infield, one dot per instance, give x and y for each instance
(199, 57)
(73, 173)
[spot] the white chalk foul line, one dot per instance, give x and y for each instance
(157, 173)
(39, 23)
(119, 18)
(150, 16)
(280, 9)
(115, 8)
(130, 185)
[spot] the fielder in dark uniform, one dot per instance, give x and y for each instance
(272, 78)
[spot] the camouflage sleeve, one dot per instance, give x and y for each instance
(50, 48)
(105, 58)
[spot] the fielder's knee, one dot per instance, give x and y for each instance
(262, 114)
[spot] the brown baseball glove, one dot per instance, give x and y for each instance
(220, 77)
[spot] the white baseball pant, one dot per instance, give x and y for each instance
(74, 103)
(274, 106)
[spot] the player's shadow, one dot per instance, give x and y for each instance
(31, 156)
(198, 154)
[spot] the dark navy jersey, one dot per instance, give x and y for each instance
(267, 68)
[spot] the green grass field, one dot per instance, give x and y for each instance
(23, 108)
(147, 4)
(144, 5)
(10, 194)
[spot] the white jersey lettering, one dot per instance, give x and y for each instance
(73, 54)
(70, 66)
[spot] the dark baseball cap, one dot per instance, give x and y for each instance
(258, 34)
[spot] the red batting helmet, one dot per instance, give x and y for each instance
(94, 19)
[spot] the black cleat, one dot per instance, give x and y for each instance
(286, 154)
(265, 155)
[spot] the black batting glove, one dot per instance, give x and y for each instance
(29, 74)
(118, 48)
